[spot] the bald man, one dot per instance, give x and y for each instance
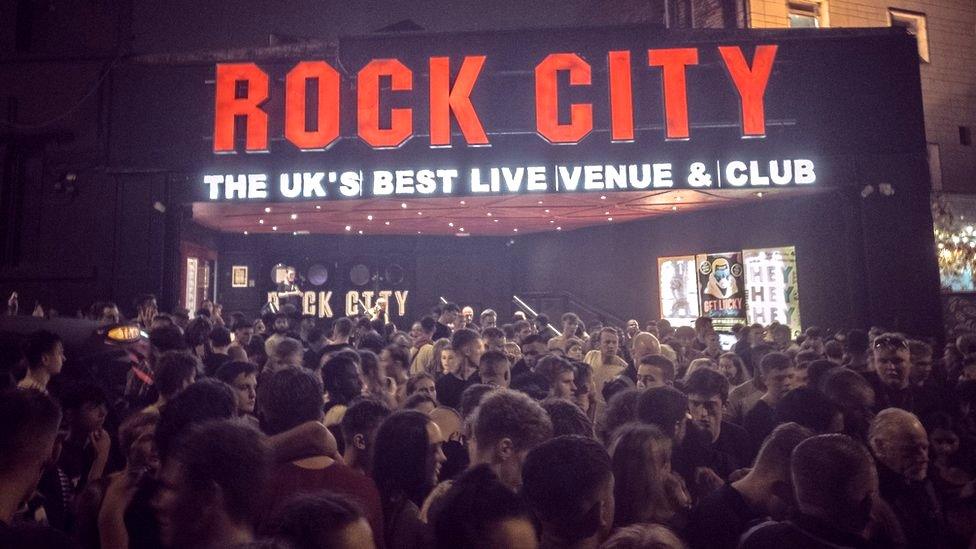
(901, 448)
(644, 344)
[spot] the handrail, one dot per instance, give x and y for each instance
(532, 314)
(578, 304)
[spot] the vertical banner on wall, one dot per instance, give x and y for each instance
(678, 287)
(191, 285)
(771, 287)
(721, 286)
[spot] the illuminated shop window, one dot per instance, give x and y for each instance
(915, 24)
(809, 15)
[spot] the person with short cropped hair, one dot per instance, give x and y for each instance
(720, 519)
(218, 467)
(777, 372)
(85, 451)
(27, 436)
(242, 377)
(419, 402)
(468, 349)
(359, 426)
(854, 397)
(891, 375)
(447, 321)
(44, 353)
(217, 356)
(293, 397)
(605, 362)
(621, 409)
(175, 371)
(480, 511)
(654, 371)
(568, 483)
(504, 428)
(900, 446)
(567, 418)
(708, 393)
(811, 409)
(323, 519)
(495, 369)
(827, 516)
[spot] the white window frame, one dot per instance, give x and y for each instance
(915, 20)
(817, 8)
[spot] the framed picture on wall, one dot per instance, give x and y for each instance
(239, 276)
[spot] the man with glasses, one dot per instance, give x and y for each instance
(901, 448)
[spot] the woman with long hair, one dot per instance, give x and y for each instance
(733, 368)
(645, 489)
(379, 385)
(438, 366)
(406, 463)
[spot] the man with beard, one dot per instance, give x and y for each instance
(901, 448)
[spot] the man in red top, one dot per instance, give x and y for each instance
(294, 396)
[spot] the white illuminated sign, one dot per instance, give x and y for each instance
(441, 181)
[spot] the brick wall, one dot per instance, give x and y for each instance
(948, 80)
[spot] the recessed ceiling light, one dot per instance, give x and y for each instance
(461, 229)
(294, 233)
(606, 213)
(674, 208)
(386, 222)
(463, 203)
(609, 219)
(559, 228)
(348, 227)
(759, 194)
(489, 214)
(603, 197)
(275, 228)
(403, 205)
(420, 213)
(245, 233)
(451, 224)
(260, 221)
(547, 211)
(369, 217)
(317, 207)
(294, 216)
(418, 232)
(267, 210)
(540, 202)
(360, 231)
(516, 229)
(552, 221)
(495, 220)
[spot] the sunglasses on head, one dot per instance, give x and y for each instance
(890, 341)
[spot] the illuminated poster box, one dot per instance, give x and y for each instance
(771, 287)
(678, 287)
(757, 286)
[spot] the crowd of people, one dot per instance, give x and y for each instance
(467, 431)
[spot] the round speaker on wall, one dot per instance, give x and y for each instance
(359, 274)
(318, 274)
(394, 274)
